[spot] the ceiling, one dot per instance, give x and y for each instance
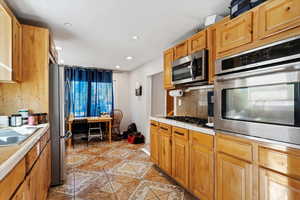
(102, 30)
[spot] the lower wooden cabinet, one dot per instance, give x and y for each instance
(234, 178)
(180, 155)
(154, 141)
(274, 186)
(201, 165)
(37, 182)
(165, 154)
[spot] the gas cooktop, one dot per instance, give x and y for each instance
(187, 119)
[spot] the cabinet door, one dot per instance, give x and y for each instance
(166, 153)
(278, 15)
(274, 186)
(234, 33)
(211, 40)
(168, 60)
(22, 193)
(234, 178)
(17, 51)
(154, 142)
(180, 156)
(197, 42)
(5, 45)
(181, 50)
(201, 171)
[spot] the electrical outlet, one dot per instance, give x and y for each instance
(179, 102)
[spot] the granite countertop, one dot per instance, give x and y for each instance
(189, 126)
(11, 155)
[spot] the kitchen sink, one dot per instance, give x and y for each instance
(13, 136)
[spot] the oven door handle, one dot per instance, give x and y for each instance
(270, 70)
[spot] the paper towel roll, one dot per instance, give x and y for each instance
(176, 93)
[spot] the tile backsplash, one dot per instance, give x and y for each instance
(193, 103)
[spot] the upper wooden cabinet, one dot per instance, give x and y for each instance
(168, 60)
(10, 46)
(181, 50)
(234, 33)
(278, 15)
(180, 155)
(197, 42)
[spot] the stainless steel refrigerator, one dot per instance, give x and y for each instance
(57, 122)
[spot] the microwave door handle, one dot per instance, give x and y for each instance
(193, 69)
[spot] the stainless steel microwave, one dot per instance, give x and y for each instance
(190, 69)
(257, 93)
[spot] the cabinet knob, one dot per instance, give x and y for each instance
(288, 8)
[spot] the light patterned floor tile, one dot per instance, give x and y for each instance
(135, 169)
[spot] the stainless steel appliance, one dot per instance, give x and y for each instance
(190, 69)
(57, 122)
(258, 92)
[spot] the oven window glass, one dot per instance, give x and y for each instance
(273, 104)
(181, 72)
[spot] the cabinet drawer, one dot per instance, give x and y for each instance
(12, 181)
(181, 50)
(32, 156)
(165, 129)
(278, 15)
(154, 123)
(234, 33)
(180, 133)
(44, 140)
(235, 147)
(197, 42)
(280, 161)
(202, 139)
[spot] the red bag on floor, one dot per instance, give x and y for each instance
(136, 139)
(130, 139)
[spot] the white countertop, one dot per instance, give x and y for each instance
(20, 153)
(188, 126)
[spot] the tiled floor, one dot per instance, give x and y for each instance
(117, 171)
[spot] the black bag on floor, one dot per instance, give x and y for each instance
(131, 129)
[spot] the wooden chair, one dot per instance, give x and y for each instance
(117, 119)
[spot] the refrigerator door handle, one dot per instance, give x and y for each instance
(67, 135)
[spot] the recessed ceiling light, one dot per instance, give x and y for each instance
(118, 67)
(129, 58)
(135, 37)
(68, 24)
(58, 48)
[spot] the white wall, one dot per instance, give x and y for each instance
(140, 107)
(158, 95)
(121, 97)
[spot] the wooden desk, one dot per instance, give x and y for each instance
(94, 120)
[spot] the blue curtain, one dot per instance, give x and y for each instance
(89, 92)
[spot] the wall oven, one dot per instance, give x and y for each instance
(190, 69)
(258, 92)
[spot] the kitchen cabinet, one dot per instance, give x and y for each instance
(277, 16)
(234, 178)
(12, 180)
(201, 165)
(154, 141)
(275, 186)
(22, 193)
(234, 33)
(165, 146)
(10, 46)
(181, 50)
(168, 60)
(180, 155)
(197, 42)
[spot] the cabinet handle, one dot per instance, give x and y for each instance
(153, 125)
(178, 133)
(163, 128)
